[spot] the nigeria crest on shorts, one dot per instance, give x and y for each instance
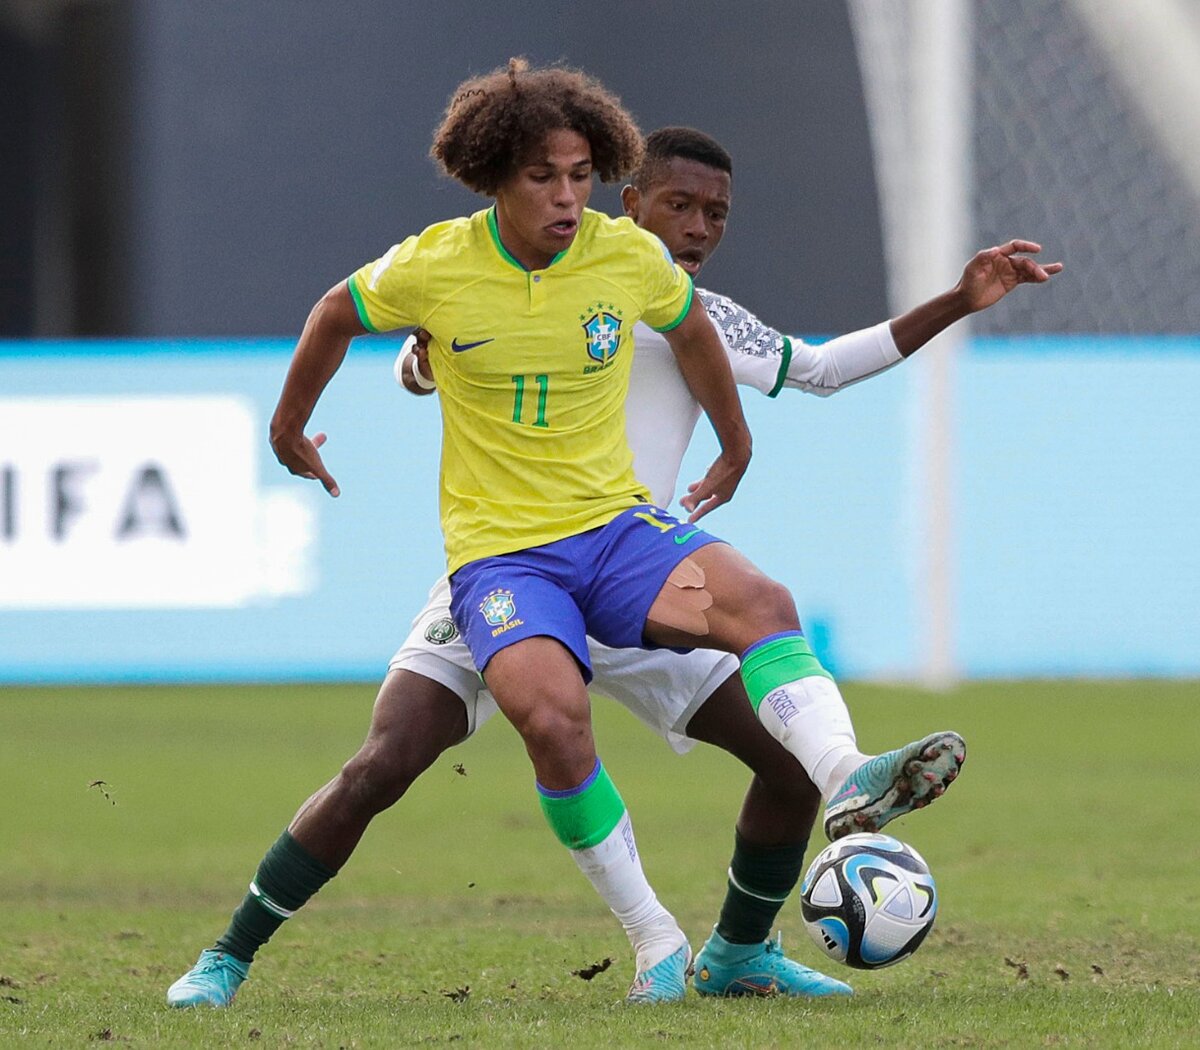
(603, 331)
(441, 631)
(498, 607)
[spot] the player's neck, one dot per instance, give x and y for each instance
(518, 248)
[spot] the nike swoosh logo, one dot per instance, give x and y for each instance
(768, 987)
(849, 791)
(686, 536)
(458, 347)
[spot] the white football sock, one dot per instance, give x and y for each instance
(615, 869)
(810, 719)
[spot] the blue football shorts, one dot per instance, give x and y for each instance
(601, 582)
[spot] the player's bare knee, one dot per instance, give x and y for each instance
(364, 791)
(547, 729)
(777, 602)
(766, 608)
(376, 777)
(558, 739)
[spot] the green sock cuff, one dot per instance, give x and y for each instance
(771, 871)
(585, 816)
(760, 880)
(778, 662)
(289, 875)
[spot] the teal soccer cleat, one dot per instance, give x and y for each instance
(724, 969)
(664, 982)
(213, 981)
(889, 785)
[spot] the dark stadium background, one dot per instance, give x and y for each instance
(178, 168)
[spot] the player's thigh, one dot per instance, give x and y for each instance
(738, 604)
(538, 685)
(415, 719)
(663, 689)
(640, 553)
(506, 601)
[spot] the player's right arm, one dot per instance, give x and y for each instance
(322, 346)
(379, 297)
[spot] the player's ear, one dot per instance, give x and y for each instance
(629, 201)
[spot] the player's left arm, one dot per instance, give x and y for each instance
(769, 361)
(701, 357)
(986, 279)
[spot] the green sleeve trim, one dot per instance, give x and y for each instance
(359, 305)
(777, 663)
(585, 819)
(682, 313)
(785, 360)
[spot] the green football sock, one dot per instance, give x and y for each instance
(797, 701)
(760, 879)
(777, 661)
(286, 878)
(591, 821)
(583, 816)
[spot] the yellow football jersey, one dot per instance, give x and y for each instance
(532, 368)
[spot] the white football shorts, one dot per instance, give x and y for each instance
(662, 688)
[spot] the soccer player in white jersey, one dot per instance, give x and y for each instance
(432, 697)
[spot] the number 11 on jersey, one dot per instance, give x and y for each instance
(543, 384)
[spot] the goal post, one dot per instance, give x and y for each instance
(916, 62)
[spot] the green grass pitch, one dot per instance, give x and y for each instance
(1067, 858)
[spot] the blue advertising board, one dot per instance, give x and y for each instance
(147, 533)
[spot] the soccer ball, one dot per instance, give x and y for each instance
(868, 901)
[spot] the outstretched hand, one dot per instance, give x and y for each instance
(994, 272)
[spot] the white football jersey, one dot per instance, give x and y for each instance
(661, 413)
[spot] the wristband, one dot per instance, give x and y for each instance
(419, 378)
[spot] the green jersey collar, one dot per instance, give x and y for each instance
(494, 230)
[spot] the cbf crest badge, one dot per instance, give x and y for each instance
(498, 608)
(603, 331)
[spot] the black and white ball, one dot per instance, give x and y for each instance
(868, 901)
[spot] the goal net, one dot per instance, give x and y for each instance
(1075, 123)
(1082, 125)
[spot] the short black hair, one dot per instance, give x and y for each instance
(665, 144)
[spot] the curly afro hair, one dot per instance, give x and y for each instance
(494, 122)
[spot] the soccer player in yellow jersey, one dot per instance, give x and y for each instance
(530, 305)
(530, 362)
(548, 535)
